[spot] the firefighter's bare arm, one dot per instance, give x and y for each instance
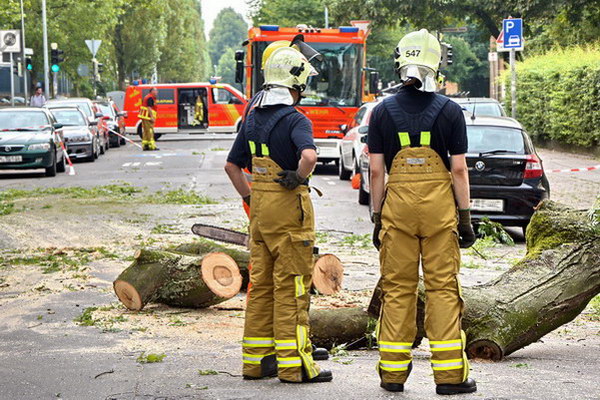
(308, 160)
(377, 181)
(460, 180)
(237, 178)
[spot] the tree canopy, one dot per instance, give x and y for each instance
(229, 31)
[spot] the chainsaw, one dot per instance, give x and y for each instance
(221, 234)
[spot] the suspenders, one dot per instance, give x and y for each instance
(422, 123)
(260, 148)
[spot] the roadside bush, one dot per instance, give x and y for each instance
(558, 95)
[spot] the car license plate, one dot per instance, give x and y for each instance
(487, 205)
(10, 159)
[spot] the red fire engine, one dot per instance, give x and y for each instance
(332, 97)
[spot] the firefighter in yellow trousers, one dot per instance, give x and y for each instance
(148, 116)
(276, 141)
(411, 135)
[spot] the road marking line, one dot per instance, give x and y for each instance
(127, 164)
(151, 164)
(331, 183)
(135, 164)
(326, 179)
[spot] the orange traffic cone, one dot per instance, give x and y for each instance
(356, 181)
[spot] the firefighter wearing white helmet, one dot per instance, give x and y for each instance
(418, 56)
(276, 142)
(411, 135)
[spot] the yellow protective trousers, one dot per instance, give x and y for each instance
(419, 225)
(281, 254)
(148, 142)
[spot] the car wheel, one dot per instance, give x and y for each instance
(524, 229)
(157, 136)
(62, 165)
(51, 170)
(363, 195)
(117, 142)
(140, 132)
(122, 141)
(102, 149)
(343, 173)
(106, 143)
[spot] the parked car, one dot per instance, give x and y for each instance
(113, 120)
(481, 106)
(506, 174)
(30, 138)
(93, 114)
(351, 145)
(79, 137)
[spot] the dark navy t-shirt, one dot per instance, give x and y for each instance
(292, 134)
(448, 135)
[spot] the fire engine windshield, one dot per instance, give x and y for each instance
(338, 82)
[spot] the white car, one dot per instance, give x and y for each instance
(351, 145)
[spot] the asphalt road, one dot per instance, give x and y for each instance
(195, 162)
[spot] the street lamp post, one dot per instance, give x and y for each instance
(46, 66)
(24, 57)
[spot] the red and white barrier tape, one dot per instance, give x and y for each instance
(582, 169)
(126, 138)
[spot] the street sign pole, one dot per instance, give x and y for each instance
(46, 65)
(24, 57)
(54, 84)
(513, 83)
(12, 81)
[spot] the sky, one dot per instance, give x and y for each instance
(210, 9)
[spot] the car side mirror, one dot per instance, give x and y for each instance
(122, 114)
(239, 66)
(98, 115)
(58, 126)
(374, 82)
(344, 128)
(93, 123)
(363, 139)
(363, 129)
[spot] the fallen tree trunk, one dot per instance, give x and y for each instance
(174, 277)
(178, 279)
(328, 271)
(548, 288)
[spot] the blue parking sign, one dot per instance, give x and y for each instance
(513, 33)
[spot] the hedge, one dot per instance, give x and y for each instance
(558, 96)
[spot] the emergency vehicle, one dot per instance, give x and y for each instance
(187, 108)
(333, 97)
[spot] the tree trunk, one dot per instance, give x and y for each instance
(548, 288)
(186, 280)
(328, 273)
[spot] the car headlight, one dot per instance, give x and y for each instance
(39, 146)
(79, 139)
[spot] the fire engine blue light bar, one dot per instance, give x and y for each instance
(348, 29)
(271, 28)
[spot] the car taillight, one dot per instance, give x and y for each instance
(533, 168)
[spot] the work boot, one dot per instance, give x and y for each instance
(392, 387)
(319, 353)
(324, 376)
(395, 387)
(468, 386)
(268, 367)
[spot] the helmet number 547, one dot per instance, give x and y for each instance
(413, 53)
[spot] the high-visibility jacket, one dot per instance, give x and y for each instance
(145, 110)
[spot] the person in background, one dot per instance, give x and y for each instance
(38, 99)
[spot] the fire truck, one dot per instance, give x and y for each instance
(333, 97)
(178, 106)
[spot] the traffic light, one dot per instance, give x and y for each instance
(446, 54)
(28, 64)
(56, 56)
(100, 68)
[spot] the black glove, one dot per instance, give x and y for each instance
(289, 179)
(246, 200)
(466, 236)
(377, 221)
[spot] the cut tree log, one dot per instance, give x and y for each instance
(201, 274)
(186, 280)
(328, 272)
(548, 288)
